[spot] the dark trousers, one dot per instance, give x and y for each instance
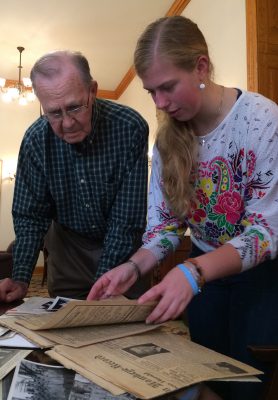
(232, 313)
(72, 264)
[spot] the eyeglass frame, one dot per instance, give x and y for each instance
(58, 116)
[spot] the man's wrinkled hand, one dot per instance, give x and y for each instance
(113, 283)
(11, 290)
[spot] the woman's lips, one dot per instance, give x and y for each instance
(173, 113)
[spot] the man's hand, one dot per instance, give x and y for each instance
(173, 293)
(114, 282)
(12, 290)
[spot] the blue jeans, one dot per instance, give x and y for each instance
(232, 313)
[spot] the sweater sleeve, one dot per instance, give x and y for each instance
(259, 240)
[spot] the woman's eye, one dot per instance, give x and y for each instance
(168, 88)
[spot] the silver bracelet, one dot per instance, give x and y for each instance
(137, 270)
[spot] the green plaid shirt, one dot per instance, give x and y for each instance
(96, 188)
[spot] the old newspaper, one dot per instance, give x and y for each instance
(86, 313)
(80, 323)
(116, 357)
(151, 364)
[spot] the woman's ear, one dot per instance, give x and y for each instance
(202, 67)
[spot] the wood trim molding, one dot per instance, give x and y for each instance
(176, 9)
(251, 45)
(107, 94)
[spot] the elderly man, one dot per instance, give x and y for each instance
(82, 172)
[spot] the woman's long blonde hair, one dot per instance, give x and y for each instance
(179, 40)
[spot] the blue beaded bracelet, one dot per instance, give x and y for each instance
(189, 277)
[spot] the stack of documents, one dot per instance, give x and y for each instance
(109, 343)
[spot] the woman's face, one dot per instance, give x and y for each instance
(173, 89)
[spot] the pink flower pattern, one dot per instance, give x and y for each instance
(231, 205)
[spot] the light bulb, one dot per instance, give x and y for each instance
(2, 82)
(27, 82)
(6, 97)
(31, 96)
(13, 92)
(22, 101)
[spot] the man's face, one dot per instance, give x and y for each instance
(67, 104)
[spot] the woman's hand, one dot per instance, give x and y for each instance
(173, 293)
(114, 282)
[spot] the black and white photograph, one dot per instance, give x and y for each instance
(40, 381)
(83, 389)
(58, 303)
(145, 350)
(224, 366)
(39, 305)
(9, 358)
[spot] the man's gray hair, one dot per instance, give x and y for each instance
(51, 64)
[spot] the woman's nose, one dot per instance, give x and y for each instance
(161, 101)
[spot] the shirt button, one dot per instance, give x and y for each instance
(93, 226)
(82, 180)
(87, 205)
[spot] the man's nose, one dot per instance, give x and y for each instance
(67, 120)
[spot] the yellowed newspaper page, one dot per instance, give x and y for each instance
(153, 364)
(86, 335)
(85, 313)
(76, 337)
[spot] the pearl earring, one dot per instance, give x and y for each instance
(202, 86)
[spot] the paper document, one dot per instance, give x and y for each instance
(86, 313)
(152, 364)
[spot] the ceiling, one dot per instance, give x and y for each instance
(105, 31)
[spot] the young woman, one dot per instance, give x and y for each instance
(213, 171)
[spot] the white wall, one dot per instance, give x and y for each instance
(14, 120)
(139, 99)
(223, 25)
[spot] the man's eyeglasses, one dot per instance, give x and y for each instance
(72, 112)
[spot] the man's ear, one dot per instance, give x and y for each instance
(202, 67)
(93, 88)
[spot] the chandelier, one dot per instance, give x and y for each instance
(20, 90)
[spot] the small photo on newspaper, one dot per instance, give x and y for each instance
(58, 303)
(39, 305)
(32, 380)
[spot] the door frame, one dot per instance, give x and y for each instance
(251, 45)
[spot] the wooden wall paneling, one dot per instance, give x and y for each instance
(251, 45)
(262, 47)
